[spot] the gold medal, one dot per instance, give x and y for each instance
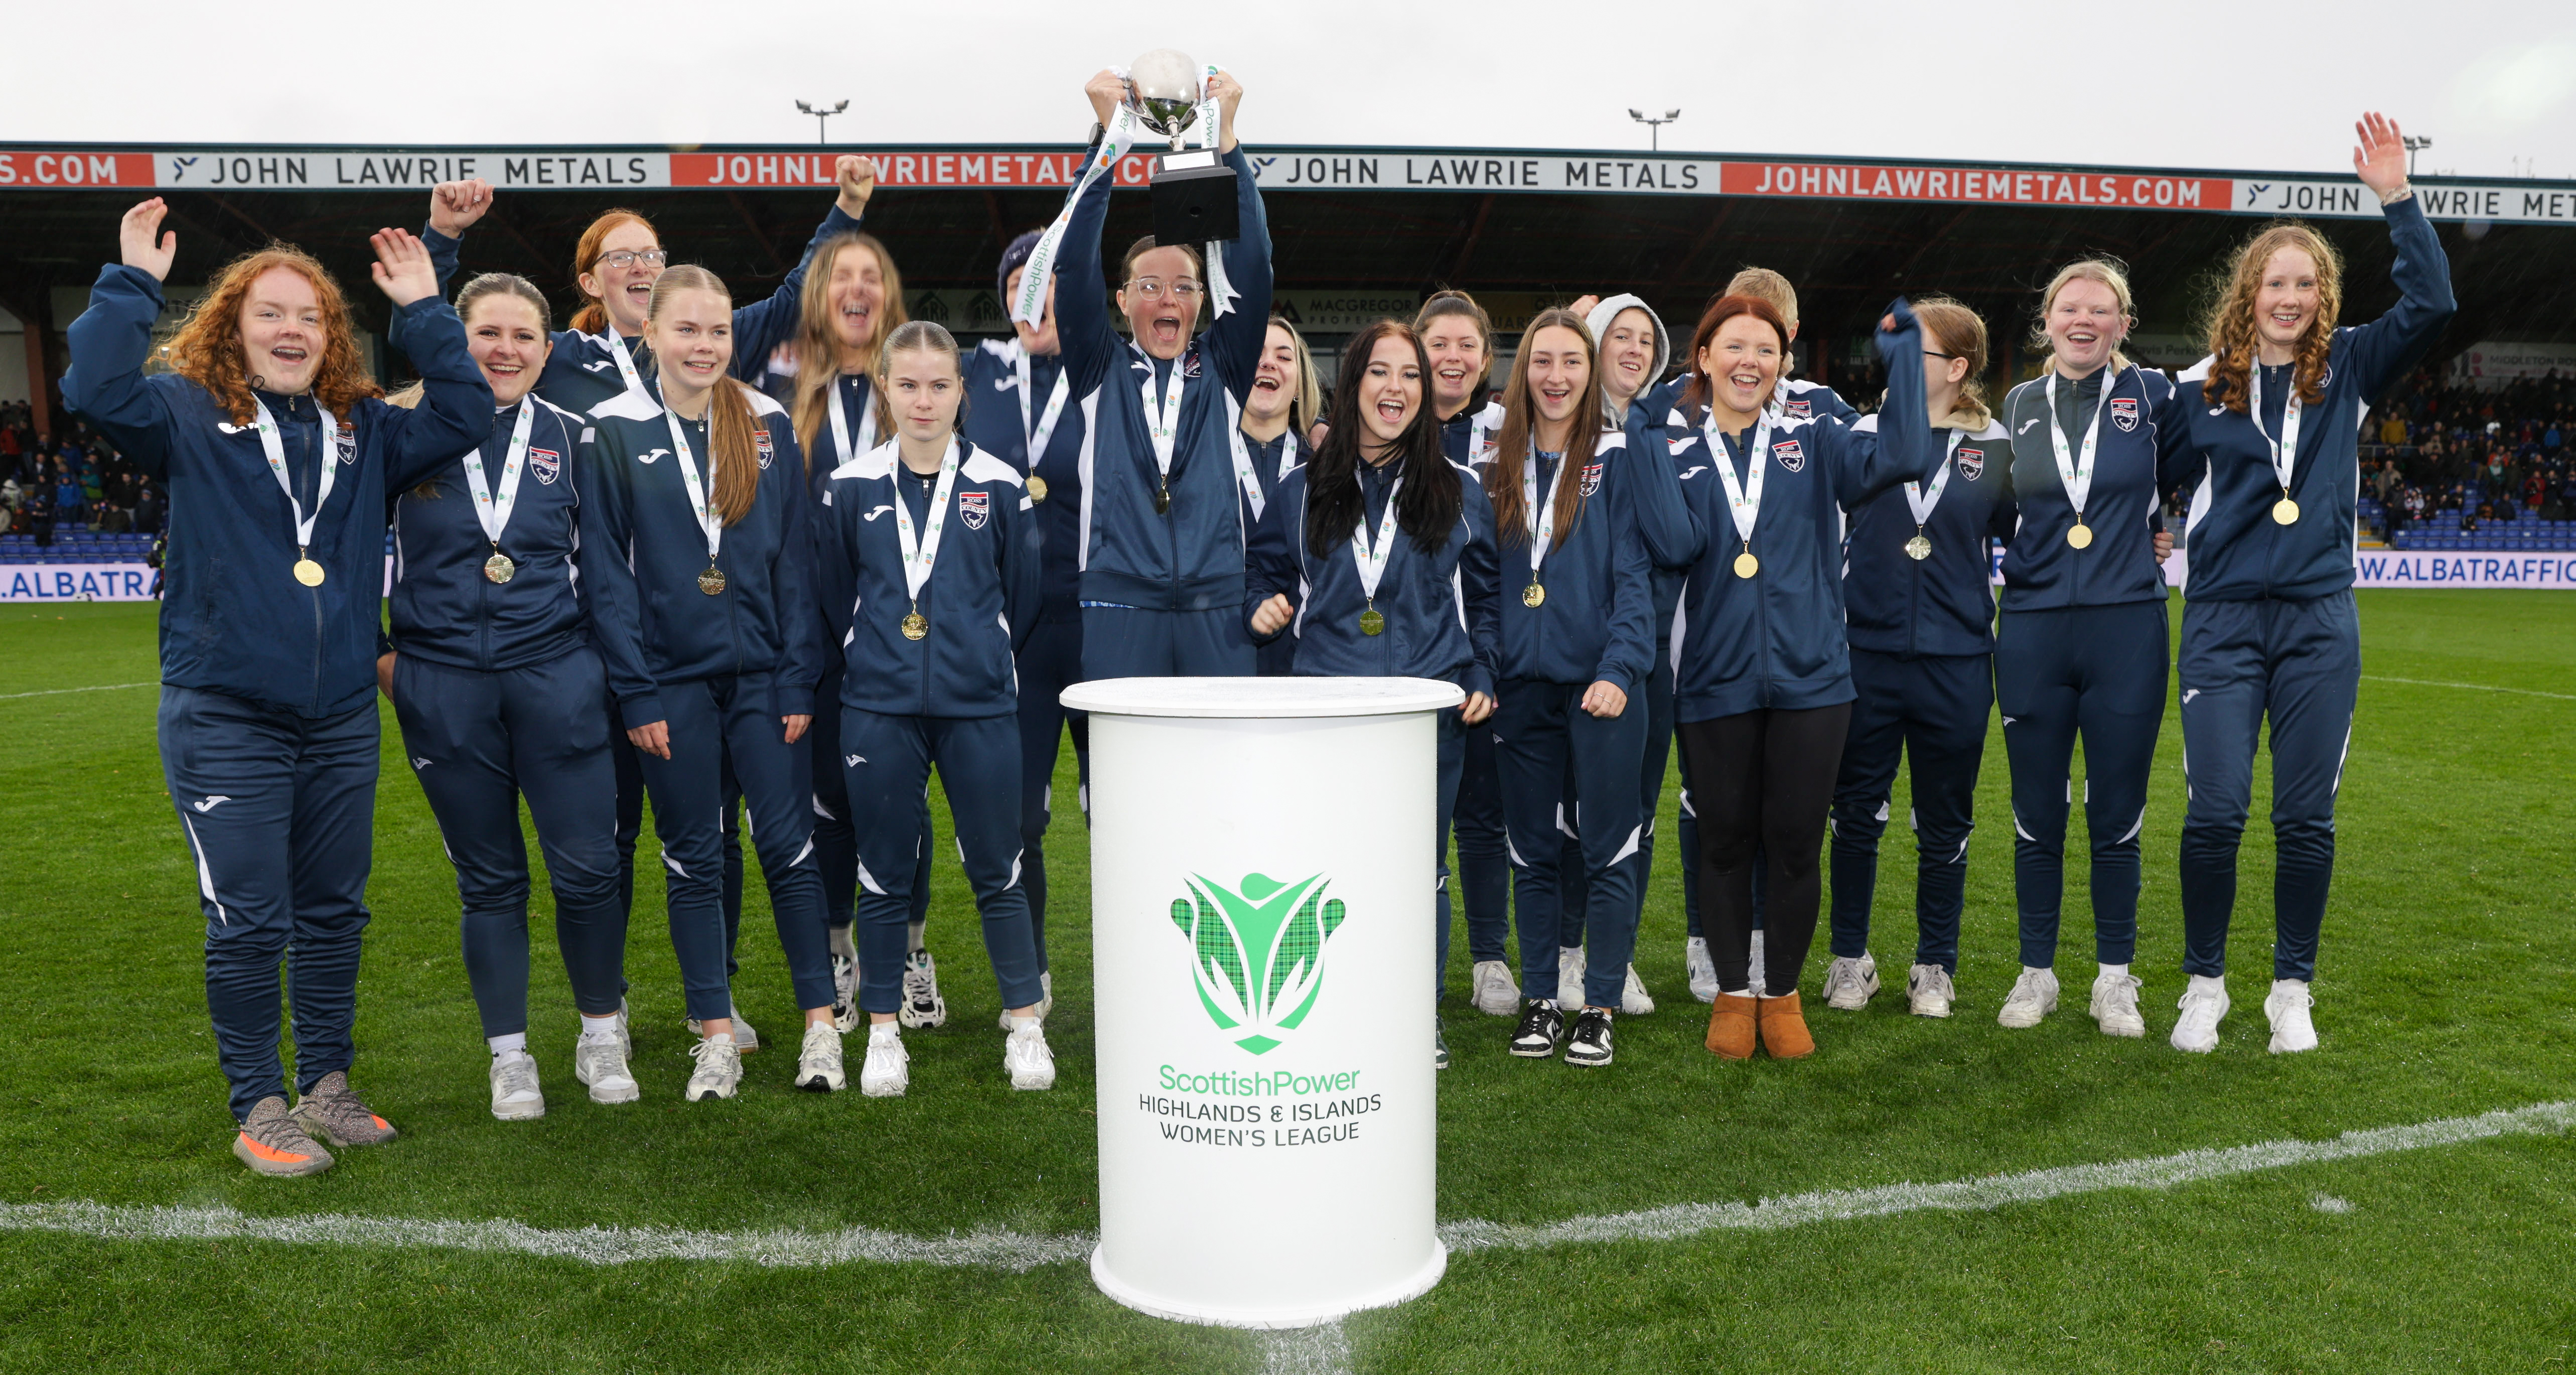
(1371, 623)
(1746, 565)
(1918, 548)
(2285, 512)
(1162, 500)
(1533, 594)
(498, 568)
(711, 581)
(2080, 535)
(915, 626)
(308, 572)
(1037, 488)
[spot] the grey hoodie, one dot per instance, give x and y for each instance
(1599, 323)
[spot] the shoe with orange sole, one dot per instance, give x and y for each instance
(271, 1142)
(1730, 1026)
(1784, 1029)
(331, 1110)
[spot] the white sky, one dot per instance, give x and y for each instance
(2251, 84)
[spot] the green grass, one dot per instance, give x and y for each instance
(2444, 989)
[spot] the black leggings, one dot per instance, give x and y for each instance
(1763, 778)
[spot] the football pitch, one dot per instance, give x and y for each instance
(1921, 1195)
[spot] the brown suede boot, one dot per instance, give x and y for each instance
(1784, 1029)
(1730, 1027)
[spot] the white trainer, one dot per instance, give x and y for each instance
(922, 1005)
(1699, 969)
(719, 1070)
(887, 1071)
(1851, 983)
(818, 1064)
(1495, 992)
(599, 1061)
(515, 1097)
(745, 1040)
(845, 991)
(2204, 1004)
(1045, 1003)
(2115, 1005)
(1569, 978)
(1634, 1000)
(1026, 1057)
(1928, 992)
(2293, 1029)
(1753, 966)
(2033, 996)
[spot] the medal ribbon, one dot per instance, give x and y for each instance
(1922, 505)
(2285, 453)
(1372, 560)
(708, 520)
(625, 364)
(1029, 303)
(1164, 424)
(1541, 517)
(1743, 501)
(1244, 472)
(918, 558)
(841, 426)
(2076, 471)
(275, 449)
(1036, 433)
(494, 512)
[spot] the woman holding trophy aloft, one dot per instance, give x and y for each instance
(1162, 556)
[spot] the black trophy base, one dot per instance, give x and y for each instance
(1195, 202)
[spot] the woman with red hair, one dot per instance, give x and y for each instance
(277, 449)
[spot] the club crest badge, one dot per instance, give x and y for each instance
(546, 464)
(1591, 478)
(1791, 454)
(1798, 410)
(346, 441)
(1971, 461)
(2124, 413)
(768, 447)
(975, 507)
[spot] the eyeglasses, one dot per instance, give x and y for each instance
(629, 257)
(1936, 353)
(1152, 288)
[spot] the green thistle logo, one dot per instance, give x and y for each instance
(1257, 954)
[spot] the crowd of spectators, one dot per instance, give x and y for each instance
(2464, 458)
(74, 480)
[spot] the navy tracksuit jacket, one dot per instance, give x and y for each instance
(2269, 627)
(1163, 592)
(1271, 460)
(268, 726)
(1484, 863)
(1922, 643)
(948, 698)
(2081, 646)
(1050, 658)
(498, 688)
(719, 669)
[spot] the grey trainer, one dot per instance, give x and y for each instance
(271, 1142)
(331, 1111)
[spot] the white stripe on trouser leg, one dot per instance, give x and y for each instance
(1562, 825)
(867, 880)
(801, 854)
(205, 875)
(821, 810)
(1687, 809)
(2019, 829)
(2134, 827)
(1514, 852)
(1016, 856)
(1631, 847)
(673, 864)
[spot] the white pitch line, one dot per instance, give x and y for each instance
(2473, 687)
(1005, 1250)
(1320, 1350)
(57, 692)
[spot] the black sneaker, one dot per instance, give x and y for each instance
(1540, 1025)
(1590, 1044)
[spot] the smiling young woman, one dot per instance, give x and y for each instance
(1377, 558)
(2269, 438)
(938, 544)
(705, 614)
(1268, 442)
(277, 451)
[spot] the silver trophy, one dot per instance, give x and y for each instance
(1194, 191)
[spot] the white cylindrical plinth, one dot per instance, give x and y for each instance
(1262, 871)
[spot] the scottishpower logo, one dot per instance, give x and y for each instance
(1257, 952)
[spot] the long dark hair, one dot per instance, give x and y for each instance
(1427, 508)
(1520, 421)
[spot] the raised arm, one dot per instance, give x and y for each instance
(1081, 287)
(1236, 336)
(1868, 459)
(112, 340)
(455, 413)
(759, 328)
(2389, 347)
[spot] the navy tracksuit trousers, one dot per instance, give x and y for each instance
(1049, 663)
(1130, 642)
(1653, 760)
(2099, 670)
(279, 811)
(836, 841)
(1541, 734)
(479, 742)
(1931, 709)
(733, 721)
(886, 763)
(2299, 663)
(1484, 858)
